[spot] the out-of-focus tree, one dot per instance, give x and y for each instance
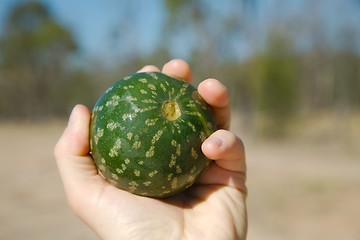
(346, 71)
(277, 83)
(34, 52)
(213, 35)
(309, 64)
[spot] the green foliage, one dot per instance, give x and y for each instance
(33, 37)
(277, 84)
(346, 89)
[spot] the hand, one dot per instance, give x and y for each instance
(214, 208)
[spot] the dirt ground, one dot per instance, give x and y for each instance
(306, 187)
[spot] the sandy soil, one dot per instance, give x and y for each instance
(32, 203)
(298, 188)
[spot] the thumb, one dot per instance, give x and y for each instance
(75, 138)
(76, 167)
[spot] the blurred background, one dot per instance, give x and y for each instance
(292, 68)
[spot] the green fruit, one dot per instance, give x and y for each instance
(146, 133)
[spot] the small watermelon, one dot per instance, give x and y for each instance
(146, 133)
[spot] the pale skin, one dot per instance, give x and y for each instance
(214, 208)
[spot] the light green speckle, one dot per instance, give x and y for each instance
(194, 154)
(112, 125)
(114, 151)
(151, 122)
(174, 183)
(129, 135)
(153, 173)
(150, 152)
(202, 136)
(178, 169)
(191, 126)
(101, 167)
(99, 134)
(137, 173)
(131, 98)
(136, 144)
(170, 176)
(147, 183)
(152, 87)
(114, 176)
(156, 137)
(129, 116)
(123, 166)
(143, 80)
(172, 161)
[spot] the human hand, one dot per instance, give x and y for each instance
(213, 208)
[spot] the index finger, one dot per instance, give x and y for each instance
(176, 68)
(216, 95)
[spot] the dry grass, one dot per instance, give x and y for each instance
(32, 203)
(305, 187)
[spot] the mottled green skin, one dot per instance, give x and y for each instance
(136, 148)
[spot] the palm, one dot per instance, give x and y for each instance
(198, 213)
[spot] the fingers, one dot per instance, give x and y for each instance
(76, 166)
(228, 167)
(176, 68)
(149, 68)
(72, 150)
(75, 139)
(226, 149)
(179, 69)
(216, 95)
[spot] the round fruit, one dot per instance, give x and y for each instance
(146, 133)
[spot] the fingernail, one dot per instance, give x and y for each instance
(216, 141)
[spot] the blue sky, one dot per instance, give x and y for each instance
(94, 21)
